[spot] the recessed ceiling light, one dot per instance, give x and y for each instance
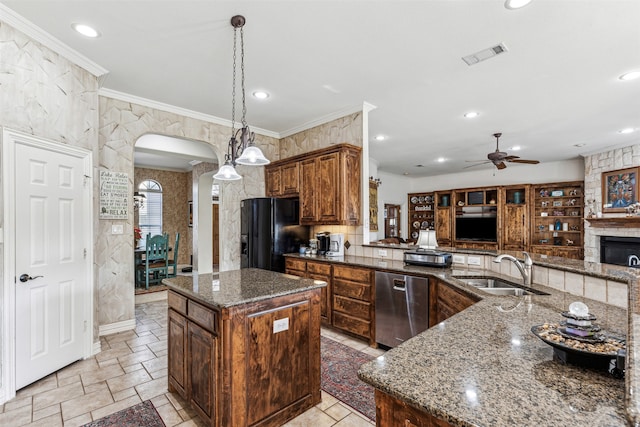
(85, 30)
(631, 75)
(380, 138)
(516, 4)
(405, 173)
(627, 130)
(419, 166)
(260, 94)
(580, 144)
(516, 148)
(471, 114)
(440, 159)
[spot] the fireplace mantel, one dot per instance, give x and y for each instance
(617, 222)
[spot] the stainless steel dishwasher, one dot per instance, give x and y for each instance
(402, 307)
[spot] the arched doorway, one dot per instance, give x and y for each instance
(185, 168)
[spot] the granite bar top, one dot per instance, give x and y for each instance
(231, 288)
(484, 366)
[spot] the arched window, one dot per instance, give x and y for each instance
(150, 213)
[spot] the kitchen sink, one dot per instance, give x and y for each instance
(496, 286)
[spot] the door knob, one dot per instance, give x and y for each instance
(25, 277)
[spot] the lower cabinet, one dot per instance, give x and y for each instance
(317, 271)
(353, 301)
(235, 369)
(392, 412)
(445, 301)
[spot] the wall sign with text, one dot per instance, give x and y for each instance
(114, 195)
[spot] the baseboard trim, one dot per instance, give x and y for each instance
(113, 328)
(97, 348)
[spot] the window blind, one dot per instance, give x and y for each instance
(150, 215)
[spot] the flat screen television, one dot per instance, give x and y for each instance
(477, 223)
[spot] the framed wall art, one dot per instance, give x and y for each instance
(619, 189)
(190, 214)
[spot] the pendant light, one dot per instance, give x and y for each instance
(241, 150)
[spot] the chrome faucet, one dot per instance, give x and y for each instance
(525, 269)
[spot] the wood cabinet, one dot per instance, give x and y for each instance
(327, 182)
(353, 301)
(557, 212)
(282, 180)
(475, 204)
(513, 219)
(443, 218)
(235, 368)
(445, 301)
(393, 412)
(318, 271)
(421, 213)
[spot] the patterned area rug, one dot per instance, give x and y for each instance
(340, 366)
(142, 414)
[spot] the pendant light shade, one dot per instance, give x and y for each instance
(252, 155)
(227, 173)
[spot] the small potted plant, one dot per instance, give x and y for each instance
(137, 235)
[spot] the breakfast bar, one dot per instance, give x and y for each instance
(244, 345)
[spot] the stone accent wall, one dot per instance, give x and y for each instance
(345, 129)
(594, 165)
(176, 192)
(44, 94)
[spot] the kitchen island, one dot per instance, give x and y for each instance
(244, 345)
(484, 366)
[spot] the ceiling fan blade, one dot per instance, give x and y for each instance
(501, 165)
(510, 158)
(477, 161)
(484, 162)
(531, 162)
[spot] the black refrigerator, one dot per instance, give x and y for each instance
(269, 228)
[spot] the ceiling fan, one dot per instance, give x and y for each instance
(498, 158)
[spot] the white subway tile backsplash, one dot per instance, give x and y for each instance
(595, 288)
(574, 283)
(556, 279)
(617, 294)
(541, 275)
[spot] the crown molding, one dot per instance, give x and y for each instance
(36, 33)
(121, 96)
(326, 119)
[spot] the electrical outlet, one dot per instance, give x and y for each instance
(382, 252)
(473, 260)
(458, 259)
(280, 325)
(117, 229)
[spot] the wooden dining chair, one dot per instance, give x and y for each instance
(156, 263)
(173, 263)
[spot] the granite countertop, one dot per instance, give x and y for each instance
(484, 366)
(231, 288)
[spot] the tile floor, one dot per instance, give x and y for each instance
(131, 368)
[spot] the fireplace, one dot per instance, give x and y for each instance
(618, 250)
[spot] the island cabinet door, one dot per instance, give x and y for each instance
(177, 337)
(202, 356)
(393, 412)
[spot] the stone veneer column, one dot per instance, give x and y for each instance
(594, 165)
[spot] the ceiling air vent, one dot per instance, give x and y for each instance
(484, 54)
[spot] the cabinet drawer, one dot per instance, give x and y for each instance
(352, 307)
(177, 302)
(352, 290)
(295, 264)
(351, 324)
(319, 268)
(203, 316)
(351, 273)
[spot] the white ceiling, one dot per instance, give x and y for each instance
(557, 86)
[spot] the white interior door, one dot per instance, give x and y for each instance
(50, 261)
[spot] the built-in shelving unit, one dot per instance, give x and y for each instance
(421, 213)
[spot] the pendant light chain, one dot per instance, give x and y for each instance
(244, 105)
(233, 87)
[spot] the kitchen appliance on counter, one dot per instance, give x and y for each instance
(428, 258)
(336, 245)
(402, 307)
(323, 242)
(269, 228)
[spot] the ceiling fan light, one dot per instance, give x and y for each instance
(516, 4)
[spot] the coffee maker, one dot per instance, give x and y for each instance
(323, 242)
(336, 245)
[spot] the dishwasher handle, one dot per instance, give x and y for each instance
(399, 285)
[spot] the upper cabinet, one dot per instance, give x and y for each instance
(326, 181)
(514, 218)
